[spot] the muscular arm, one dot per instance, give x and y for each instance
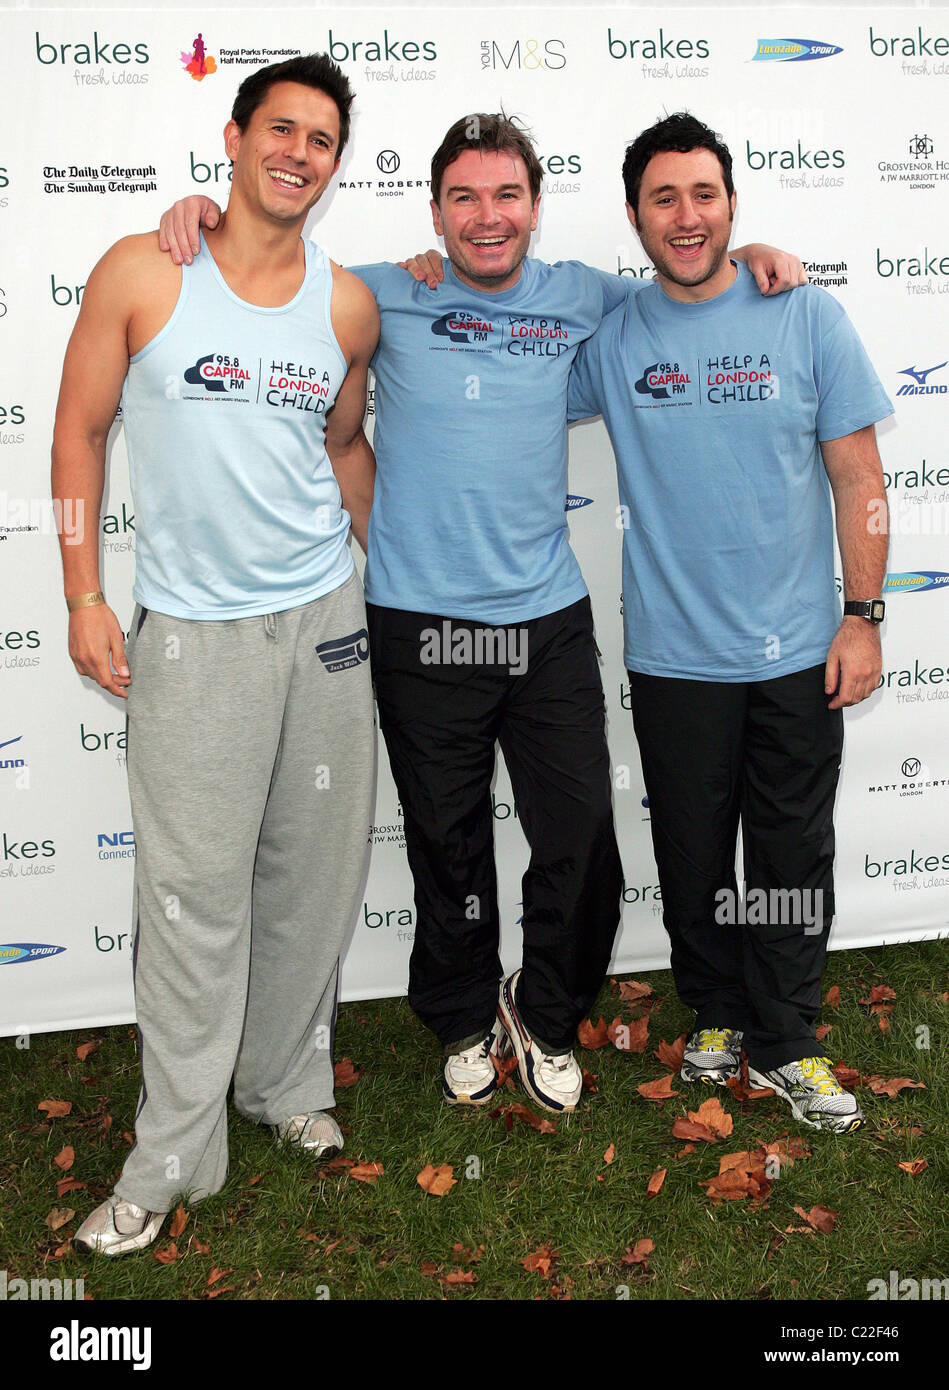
(356, 325)
(856, 479)
(127, 297)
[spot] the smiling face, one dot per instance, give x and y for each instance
(286, 156)
(684, 221)
(486, 214)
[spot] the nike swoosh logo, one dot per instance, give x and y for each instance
(11, 740)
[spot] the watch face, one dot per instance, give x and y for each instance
(877, 609)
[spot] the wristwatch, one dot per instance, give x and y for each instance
(872, 609)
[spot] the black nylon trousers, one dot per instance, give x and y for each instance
(767, 754)
(441, 720)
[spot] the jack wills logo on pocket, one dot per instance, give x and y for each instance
(342, 652)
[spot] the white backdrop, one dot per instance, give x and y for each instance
(842, 156)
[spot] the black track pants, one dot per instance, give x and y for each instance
(766, 753)
(441, 719)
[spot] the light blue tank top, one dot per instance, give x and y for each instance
(237, 509)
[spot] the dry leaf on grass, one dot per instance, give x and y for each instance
(832, 997)
(458, 1276)
(657, 1090)
(65, 1185)
(689, 1149)
(592, 1035)
(199, 1247)
(178, 1222)
(610, 1154)
(366, 1172)
(847, 1076)
(689, 1129)
(58, 1217)
(881, 1086)
(436, 1181)
(654, 1185)
(168, 1255)
(913, 1166)
(55, 1109)
(541, 1261)
(86, 1049)
(671, 1054)
(216, 1275)
(639, 1253)
(820, 1217)
(821, 1033)
(65, 1158)
(589, 1080)
(878, 994)
(345, 1074)
(884, 1023)
(714, 1115)
(630, 1037)
(631, 990)
(504, 1066)
(518, 1111)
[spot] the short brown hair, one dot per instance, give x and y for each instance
(315, 70)
(495, 133)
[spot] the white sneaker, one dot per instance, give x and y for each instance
(712, 1056)
(553, 1080)
(814, 1094)
(118, 1227)
(317, 1133)
(470, 1077)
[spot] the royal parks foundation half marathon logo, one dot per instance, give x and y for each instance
(198, 62)
(100, 59)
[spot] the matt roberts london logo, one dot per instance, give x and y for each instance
(793, 50)
(197, 62)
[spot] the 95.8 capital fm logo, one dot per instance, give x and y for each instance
(520, 335)
(96, 59)
(523, 55)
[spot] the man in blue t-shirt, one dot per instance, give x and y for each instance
(733, 417)
(479, 619)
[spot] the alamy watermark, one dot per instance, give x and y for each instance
(761, 907)
(908, 1290)
(40, 1290)
(475, 646)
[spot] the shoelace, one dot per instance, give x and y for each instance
(714, 1040)
(817, 1071)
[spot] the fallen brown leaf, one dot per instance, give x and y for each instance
(847, 1076)
(632, 989)
(59, 1216)
(339, 1164)
(65, 1185)
(689, 1149)
(464, 1256)
(592, 1035)
(880, 1086)
(713, 1114)
(216, 1275)
(86, 1049)
(635, 1039)
(689, 1129)
(884, 1023)
(820, 1217)
(345, 1074)
(610, 1154)
(832, 997)
(252, 1182)
(541, 1261)
(671, 1054)
(657, 1090)
(504, 1066)
(55, 1109)
(168, 1255)
(589, 1080)
(879, 993)
(617, 1032)
(521, 1112)
(821, 1033)
(224, 1288)
(62, 1250)
(200, 1247)
(366, 1172)
(436, 1181)
(913, 1166)
(459, 1276)
(178, 1222)
(639, 1253)
(742, 1091)
(654, 1184)
(65, 1158)
(428, 1267)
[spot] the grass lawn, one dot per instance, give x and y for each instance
(286, 1227)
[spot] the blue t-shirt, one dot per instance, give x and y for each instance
(715, 411)
(470, 439)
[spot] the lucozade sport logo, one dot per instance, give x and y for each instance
(914, 581)
(792, 50)
(19, 952)
(197, 62)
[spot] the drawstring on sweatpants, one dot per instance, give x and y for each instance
(270, 625)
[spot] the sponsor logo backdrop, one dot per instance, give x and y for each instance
(841, 149)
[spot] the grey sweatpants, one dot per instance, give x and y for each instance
(251, 761)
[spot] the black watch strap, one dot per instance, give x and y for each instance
(872, 609)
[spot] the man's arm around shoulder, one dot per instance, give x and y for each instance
(356, 325)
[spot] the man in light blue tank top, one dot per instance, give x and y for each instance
(251, 750)
(480, 622)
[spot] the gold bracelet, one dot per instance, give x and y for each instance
(85, 600)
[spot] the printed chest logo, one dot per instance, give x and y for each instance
(521, 335)
(341, 653)
(284, 385)
(728, 380)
